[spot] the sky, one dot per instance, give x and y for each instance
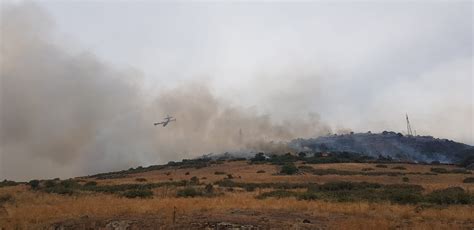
(350, 65)
(342, 57)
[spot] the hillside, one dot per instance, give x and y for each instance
(389, 144)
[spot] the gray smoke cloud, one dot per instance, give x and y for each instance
(66, 114)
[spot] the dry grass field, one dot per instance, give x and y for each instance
(237, 207)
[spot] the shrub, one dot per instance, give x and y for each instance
(138, 193)
(90, 184)
(188, 192)
(405, 179)
(49, 183)
(444, 170)
(219, 173)
(439, 170)
(381, 166)
(399, 168)
(404, 197)
(367, 169)
(187, 173)
(61, 190)
(69, 184)
(194, 180)
(5, 198)
(209, 189)
(34, 184)
(468, 180)
(277, 194)
(460, 171)
(452, 195)
(229, 176)
(5, 183)
(141, 179)
(308, 196)
(289, 169)
(259, 157)
(260, 171)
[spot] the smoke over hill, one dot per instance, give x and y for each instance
(72, 114)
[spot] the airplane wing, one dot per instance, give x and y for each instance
(158, 123)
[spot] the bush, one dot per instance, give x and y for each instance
(381, 166)
(260, 171)
(49, 183)
(452, 195)
(308, 196)
(61, 190)
(69, 183)
(458, 170)
(219, 173)
(367, 169)
(277, 194)
(289, 169)
(5, 198)
(34, 184)
(138, 193)
(439, 170)
(399, 168)
(90, 184)
(141, 179)
(189, 192)
(229, 176)
(259, 157)
(5, 183)
(209, 189)
(405, 179)
(194, 180)
(468, 180)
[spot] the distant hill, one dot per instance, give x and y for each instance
(395, 145)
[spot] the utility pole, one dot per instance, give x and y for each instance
(409, 132)
(240, 136)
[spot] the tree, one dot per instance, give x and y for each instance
(289, 169)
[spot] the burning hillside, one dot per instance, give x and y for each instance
(389, 144)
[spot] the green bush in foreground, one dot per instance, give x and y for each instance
(439, 170)
(189, 192)
(277, 194)
(373, 192)
(34, 184)
(138, 193)
(455, 171)
(468, 180)
(289, 169)
(90, 184)
(399, 168)
(452, 195)
(5, 198)
(6, 183)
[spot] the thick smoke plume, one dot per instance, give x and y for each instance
(66, 114)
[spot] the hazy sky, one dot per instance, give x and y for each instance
(345, 65)
(360, 65)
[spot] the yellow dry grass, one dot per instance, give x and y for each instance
(37, 209)
(32, 209)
